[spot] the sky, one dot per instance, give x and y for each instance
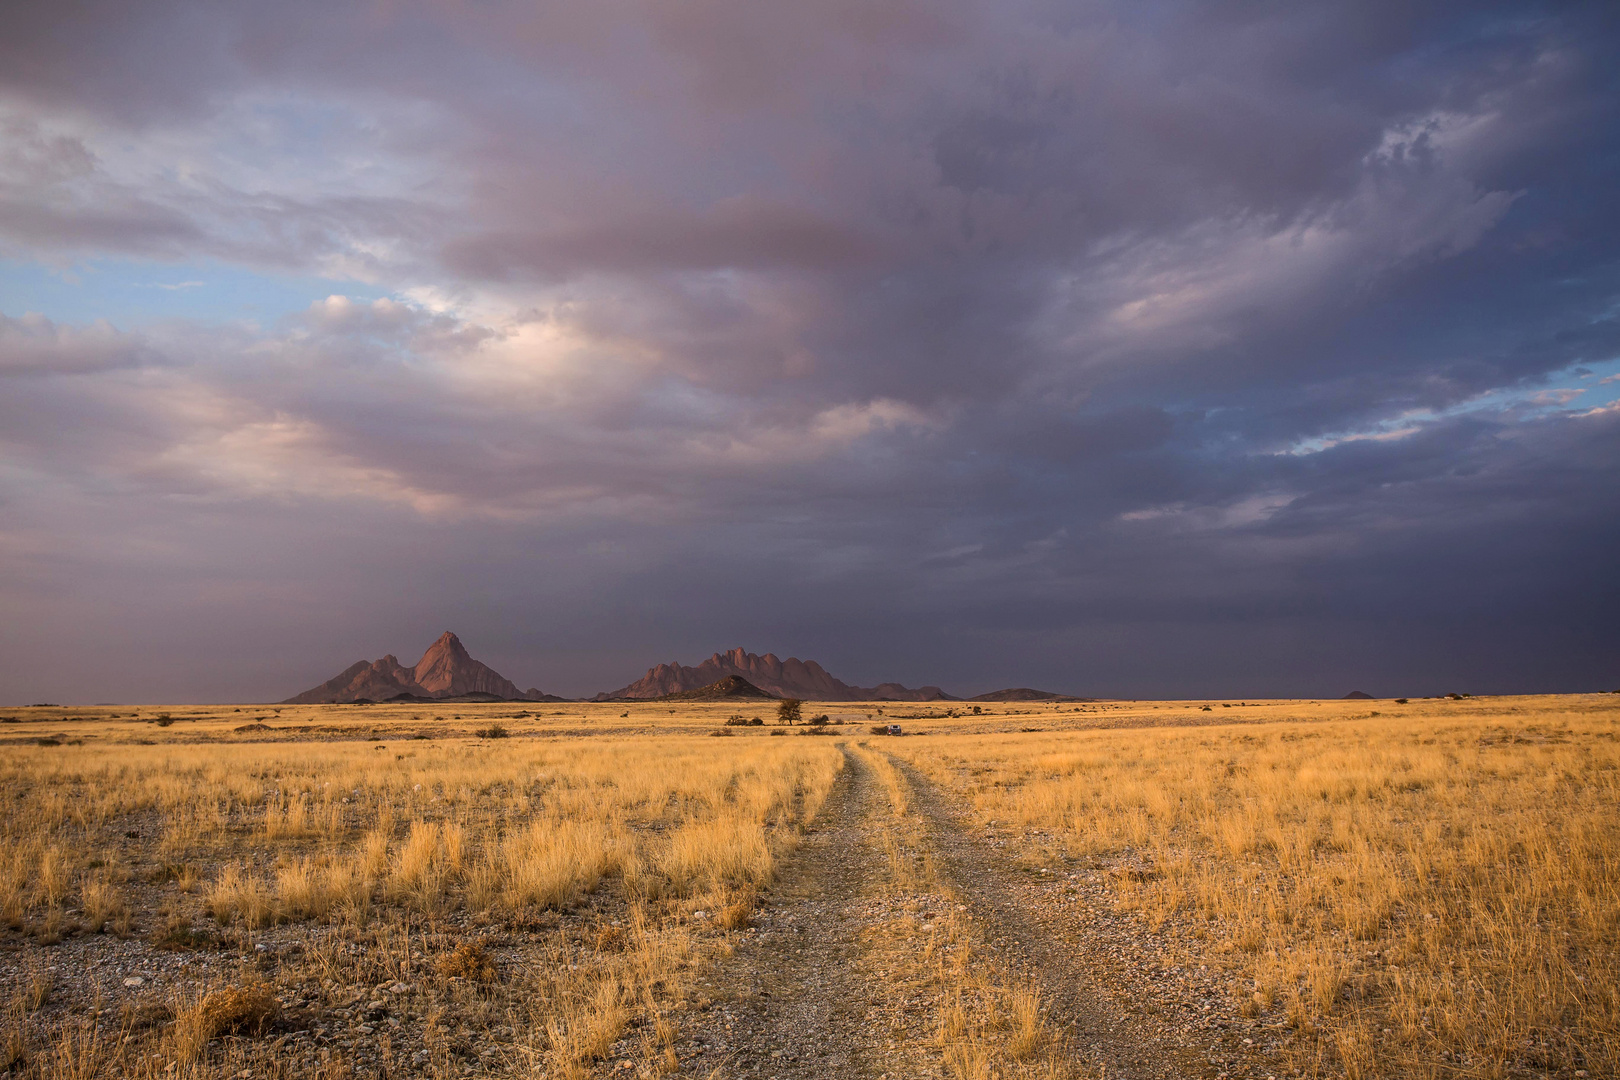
(1119, 349)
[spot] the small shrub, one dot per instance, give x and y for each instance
(248, 1009)
(722, 733)
(164, 720)
(1400, 701)
(494, 731)
(819, 720)
(879, 729)
(470, 961)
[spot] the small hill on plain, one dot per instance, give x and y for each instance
(732, 686)
(1024, 693)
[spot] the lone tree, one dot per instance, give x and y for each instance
(788, 711)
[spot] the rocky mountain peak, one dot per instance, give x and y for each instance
(446, 669)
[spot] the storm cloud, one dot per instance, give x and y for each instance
(1118, 349)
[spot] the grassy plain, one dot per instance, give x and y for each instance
(1427, 889)
(1431, 889)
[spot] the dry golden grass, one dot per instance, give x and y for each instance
(382, 844)
(1433, 893)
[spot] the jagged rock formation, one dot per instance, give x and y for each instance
(790, 678)
(1024, 693)
(446, 670)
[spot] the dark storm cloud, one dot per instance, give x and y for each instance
(1142, 348)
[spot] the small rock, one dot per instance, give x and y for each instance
(134, 980)
(398, 988)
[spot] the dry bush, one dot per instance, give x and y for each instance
(471, 960)
(248, 1008)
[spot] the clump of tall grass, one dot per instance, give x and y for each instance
(726, 850)
(428, 864)
(238, 894)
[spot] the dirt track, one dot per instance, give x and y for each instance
(865, 945)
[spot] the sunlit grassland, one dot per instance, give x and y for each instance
(1431, 890)
(1428, 889)
(385, 845)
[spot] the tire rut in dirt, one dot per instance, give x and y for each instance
(791, 1003)
(1102, 1030)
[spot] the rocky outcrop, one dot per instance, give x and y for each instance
(790, 678)
(732, 686)
(446, 670)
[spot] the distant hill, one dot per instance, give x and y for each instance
(1024, 693)
(1357, 695)
(446, 672)
(791, 678)
(732, 686)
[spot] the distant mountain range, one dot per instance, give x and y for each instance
(790, 678)
(447, 672)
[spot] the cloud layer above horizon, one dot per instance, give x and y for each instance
(1119, 349)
